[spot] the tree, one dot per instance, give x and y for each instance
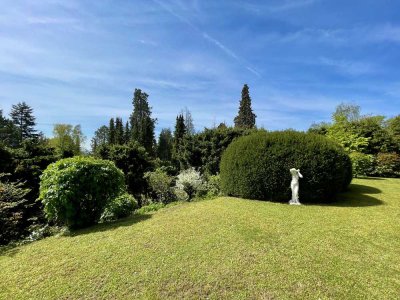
(9, 133)
(127, 133)
(67, 139)
(187, 115)
(179, 134)
(22, 116)
(100, 138)
(346, 112)
(165, 144)
(142, 125)
(246, 118)
(111, 135)
(119, 131)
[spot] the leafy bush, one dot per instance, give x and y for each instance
(13, 208)
(76, 190)
(180, 195)
(189, 181)
(121, 207)
(387, 165)
(363, 164)
(160, 184)
(213, 185)
(257, 166)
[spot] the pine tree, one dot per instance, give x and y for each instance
(22, 117)
(165, 144)
(246, 118)
(127, 133)
(119, 131)
(111, 133)
(179, 134)
(187, 115)
(142, 125)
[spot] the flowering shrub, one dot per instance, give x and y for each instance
(189, 181)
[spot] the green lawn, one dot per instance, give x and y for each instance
(224, 248)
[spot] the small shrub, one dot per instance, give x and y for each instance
(189, 181)
(150, 207)
(213, 185)
(121, 207)
(180, 195)
(76, 190)
(13, 207)
(387, 165)
(363, 164)
(160, 184)
(257, 166)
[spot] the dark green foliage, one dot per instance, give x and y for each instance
(76, 190)
(22, 117)
(134, 161)
(111, 132)
(142, 125)
(120, 207)
(204, 150)
(127, 133)
(257, 166)
(9, 133)
(165, 145)
(387, 165)
(13, 210)
(179, 135)
(119, 131)
(246, 118)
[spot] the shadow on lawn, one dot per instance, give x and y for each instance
(128, 221)
(12, 249)
(358, 195)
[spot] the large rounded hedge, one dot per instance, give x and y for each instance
(257, 166)
(75, 191)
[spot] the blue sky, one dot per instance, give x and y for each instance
(78, 62)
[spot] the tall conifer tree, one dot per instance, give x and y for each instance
(165, 144)
(246, 118)
(142, 125)
(111, 133)
(127, 133)
(119, 131)
(22, 117)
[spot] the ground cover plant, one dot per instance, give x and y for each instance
(225, 248)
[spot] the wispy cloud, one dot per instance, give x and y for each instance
(291, 4)
(207, 37)
(353, 68)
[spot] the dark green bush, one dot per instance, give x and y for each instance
(13, 210)
(387, 165)
(120, 207)
(134, 161)
(76, 190)
(257, 166)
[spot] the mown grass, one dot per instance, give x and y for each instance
(224, 248)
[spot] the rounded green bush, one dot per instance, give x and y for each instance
(120, 207)
(257, 166)
(76, 190)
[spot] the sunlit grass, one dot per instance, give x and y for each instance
(224, 248)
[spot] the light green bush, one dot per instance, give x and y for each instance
(75, 191)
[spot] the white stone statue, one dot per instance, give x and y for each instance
(294, 185)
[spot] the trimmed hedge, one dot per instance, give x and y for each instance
(257, 166)
(75, 191)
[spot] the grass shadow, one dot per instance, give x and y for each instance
(12, 249)
(358, 195)
(128, 221)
